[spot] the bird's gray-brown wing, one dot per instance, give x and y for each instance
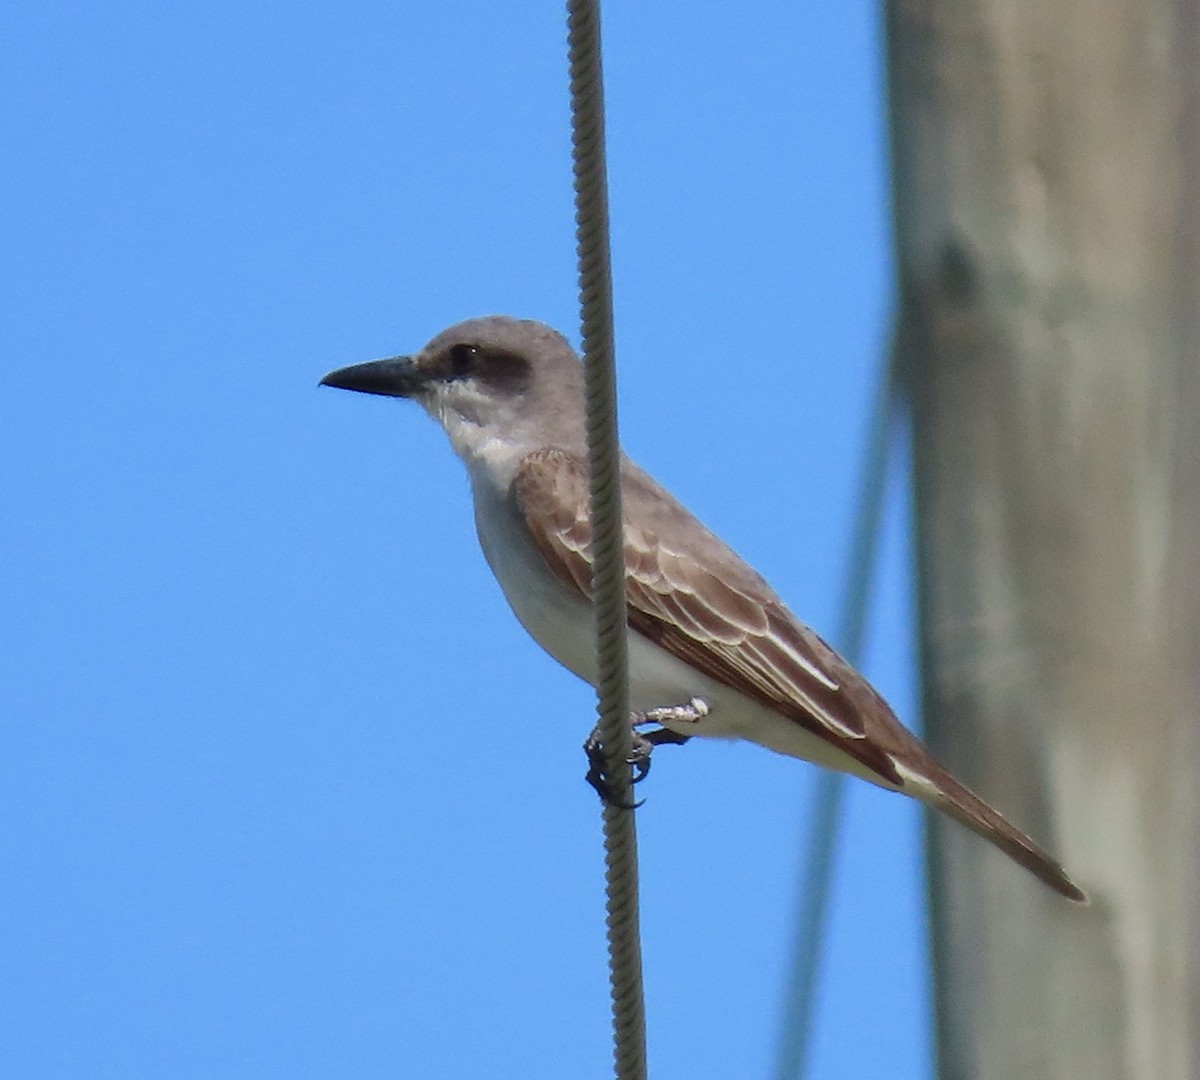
(689, 593)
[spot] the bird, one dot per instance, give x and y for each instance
(713, 651)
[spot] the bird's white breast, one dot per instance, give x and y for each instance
(555, 616)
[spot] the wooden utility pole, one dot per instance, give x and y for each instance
(1047, 200)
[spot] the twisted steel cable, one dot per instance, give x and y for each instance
(608, 564)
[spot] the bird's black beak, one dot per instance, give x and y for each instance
(394, 377)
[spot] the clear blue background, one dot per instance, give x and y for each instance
(284, 789)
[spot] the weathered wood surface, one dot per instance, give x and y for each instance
(1047, 199)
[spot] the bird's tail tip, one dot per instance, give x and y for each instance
(968, 809)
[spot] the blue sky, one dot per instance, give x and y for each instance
(284, 789)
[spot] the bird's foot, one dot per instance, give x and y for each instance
(642, 743)
(598, 771)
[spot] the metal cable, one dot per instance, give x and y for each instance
(608, 564)
(817, 872)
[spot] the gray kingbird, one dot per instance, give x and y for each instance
(712, 650)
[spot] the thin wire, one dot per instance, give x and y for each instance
(608, 564)
(817, 872)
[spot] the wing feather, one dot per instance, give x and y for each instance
(706, 607)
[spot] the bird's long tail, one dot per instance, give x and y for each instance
(960, 803)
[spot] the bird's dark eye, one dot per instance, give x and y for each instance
(462, 360)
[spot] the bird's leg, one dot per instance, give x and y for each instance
(642, 745)
(691, 713)
(643, 742)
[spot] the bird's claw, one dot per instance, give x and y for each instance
(641, 746)
(597, 774)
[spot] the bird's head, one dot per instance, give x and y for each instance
(486, 377)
